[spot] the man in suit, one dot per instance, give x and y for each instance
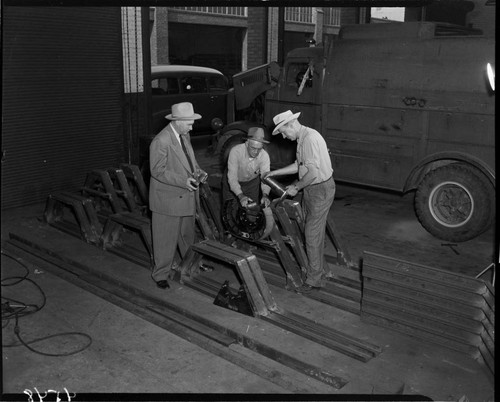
(173, 191)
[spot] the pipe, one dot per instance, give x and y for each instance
(275, 186)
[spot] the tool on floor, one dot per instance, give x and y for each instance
(236, 302)
(246, 265)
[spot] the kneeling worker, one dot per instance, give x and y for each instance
(246, 163)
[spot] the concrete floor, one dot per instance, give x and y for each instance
(132, 356)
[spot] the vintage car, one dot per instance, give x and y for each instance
(206, 88)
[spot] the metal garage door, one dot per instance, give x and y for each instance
(62, 98)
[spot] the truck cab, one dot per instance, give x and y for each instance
(300, 87)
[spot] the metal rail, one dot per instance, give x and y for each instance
(328, 337)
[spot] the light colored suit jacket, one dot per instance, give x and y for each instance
(170, 170)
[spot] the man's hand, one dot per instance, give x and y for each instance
(266, 175)
(265, 201)
(292, 190)
(191, 184)
(244, 200)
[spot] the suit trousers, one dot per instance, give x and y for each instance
(170, 233)
(316, 204)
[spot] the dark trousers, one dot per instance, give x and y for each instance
(249, 188)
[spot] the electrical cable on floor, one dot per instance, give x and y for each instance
(16, 309)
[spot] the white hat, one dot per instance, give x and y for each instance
(283, 118)
(183, 111)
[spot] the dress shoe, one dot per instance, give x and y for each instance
(306, 289)
(163, 284)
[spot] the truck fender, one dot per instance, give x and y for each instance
(434, 161)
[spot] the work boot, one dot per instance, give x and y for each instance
(329, 276)
(306, 289)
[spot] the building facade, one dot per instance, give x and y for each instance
(233, 39)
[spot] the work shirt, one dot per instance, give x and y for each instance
(312, 151)
(242, 168)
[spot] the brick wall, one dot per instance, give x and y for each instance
(349, 15)
(257, 36)
(162, 54)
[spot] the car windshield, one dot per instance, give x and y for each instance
(217, 83)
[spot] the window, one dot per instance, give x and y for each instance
(295, 73)
(194, 85)
(217, 84)
(165, 86)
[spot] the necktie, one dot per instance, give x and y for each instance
(182, 137)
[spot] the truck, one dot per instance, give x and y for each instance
(402, 106)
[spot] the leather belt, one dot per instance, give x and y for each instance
(316, 184)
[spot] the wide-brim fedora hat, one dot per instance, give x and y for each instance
(183, 111)
(257, 134)
(283, 118)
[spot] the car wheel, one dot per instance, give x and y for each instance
(455, 203)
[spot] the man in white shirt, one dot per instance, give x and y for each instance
(314, 168)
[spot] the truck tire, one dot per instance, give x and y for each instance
(226, 147)
(455, 203)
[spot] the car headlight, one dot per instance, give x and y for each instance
(217, 124)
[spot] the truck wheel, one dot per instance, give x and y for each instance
(226, 147)
(455, 203)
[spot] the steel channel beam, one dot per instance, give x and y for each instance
(57, 266)
(327, 332)
(328, 337)
(346, 299)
